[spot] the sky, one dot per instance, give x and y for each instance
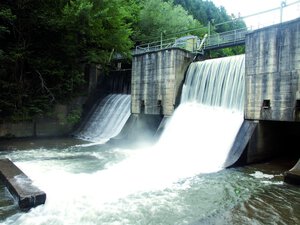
(249, 7)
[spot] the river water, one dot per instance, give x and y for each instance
(178, 180)
(86, 185)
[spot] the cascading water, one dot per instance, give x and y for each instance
(100, 184)
(108, 119)
(204, 126)
(217, 82)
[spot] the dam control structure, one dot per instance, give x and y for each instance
(272, 93)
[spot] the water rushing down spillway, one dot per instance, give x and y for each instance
(204, 126)
(165, 184)
(108, 119)
(217, 82)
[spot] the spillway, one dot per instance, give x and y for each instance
(162, 184)
(107, 120)
(203, 128)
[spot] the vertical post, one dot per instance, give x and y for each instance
(283, 4)
(208, 39)
(161, 40)
(235, 36)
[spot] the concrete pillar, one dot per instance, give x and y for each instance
(273, 73)
(20, 186)
(156, 80)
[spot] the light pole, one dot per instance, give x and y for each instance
(283, 4)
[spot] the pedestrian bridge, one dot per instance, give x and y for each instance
(211, 41)
(195, 45)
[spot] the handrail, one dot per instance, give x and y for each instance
(209, 41)
(153, 46)
(228, 37)
(225, 39)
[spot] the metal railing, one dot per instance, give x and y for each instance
(214, 41)
(154, 46)
(228, 38)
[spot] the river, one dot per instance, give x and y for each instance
(87, 183)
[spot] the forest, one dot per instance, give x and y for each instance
(45, 45)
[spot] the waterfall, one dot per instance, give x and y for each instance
(216, 82)
(108, 119)
(203, 127)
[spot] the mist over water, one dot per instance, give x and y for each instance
(200, 136)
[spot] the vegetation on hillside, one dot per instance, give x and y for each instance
(45, 45)
(217, 18)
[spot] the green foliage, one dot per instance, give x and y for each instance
(44, 46)
(74, 116)
(163, 18)
(206, 11)
(6, 18)
(226, 52)
(218, 19)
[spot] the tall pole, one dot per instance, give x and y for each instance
(283, 4)
(161, 39)
(208, 32)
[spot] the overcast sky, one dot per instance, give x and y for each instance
(249, 7)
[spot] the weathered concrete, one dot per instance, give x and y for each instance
(162, 126)
(273, 139)
(20, 186)
(273, 73)
(20, 129)
(242, 139)
(58, 123)
(272, 90)
(293, 175)
(156, 80)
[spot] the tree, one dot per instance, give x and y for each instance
(207, 13)
(158, 17)
(44, 45)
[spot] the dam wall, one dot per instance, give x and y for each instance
(156, 80)
(272, 87)
(273, 72)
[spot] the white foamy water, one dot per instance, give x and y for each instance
(91, 198)
(201, 136)
(261, 175)
(108, 119)
(195, 141)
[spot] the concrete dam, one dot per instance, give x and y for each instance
(271, 93)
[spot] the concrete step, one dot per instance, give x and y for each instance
(20, 185)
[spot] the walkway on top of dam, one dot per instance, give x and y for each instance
(213, 41)
(194, 44)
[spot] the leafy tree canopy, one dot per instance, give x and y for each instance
(218, 20)
(206, 11)
(44, 45)
(158, 17)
